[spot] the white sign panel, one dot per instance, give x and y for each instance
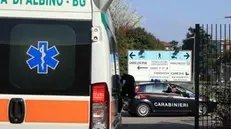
(163, 65)
(16, 8)
(47, 5)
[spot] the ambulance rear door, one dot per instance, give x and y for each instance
(45, 65)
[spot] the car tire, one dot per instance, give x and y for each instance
(143, 110)
(203, 109)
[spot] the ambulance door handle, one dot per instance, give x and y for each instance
(16, 110)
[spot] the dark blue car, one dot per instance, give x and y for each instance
(160, 98)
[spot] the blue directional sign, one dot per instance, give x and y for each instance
(159, 55)
(163, 65)
(42, 57)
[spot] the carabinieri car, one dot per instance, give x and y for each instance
(164, 97)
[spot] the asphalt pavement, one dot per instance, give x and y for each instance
(157, 122)
(163, 122)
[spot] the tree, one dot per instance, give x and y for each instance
(144, 40)
(174, 44)
(124, 44)
(207, 50)
(225, 57)
(189, 41)
(136, 39)
(122, 15)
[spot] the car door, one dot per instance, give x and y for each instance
(191, 99)
(179, 102)
(157, 97)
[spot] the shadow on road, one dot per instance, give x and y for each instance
(157, 126)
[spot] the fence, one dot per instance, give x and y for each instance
(212, 60)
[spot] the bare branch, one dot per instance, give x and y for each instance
(123, 16)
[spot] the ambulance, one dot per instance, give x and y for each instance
(59, 65)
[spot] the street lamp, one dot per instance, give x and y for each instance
(227, 16)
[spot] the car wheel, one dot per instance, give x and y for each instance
(203, 109)
(143, 110)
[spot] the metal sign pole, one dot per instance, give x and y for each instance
(197, 72)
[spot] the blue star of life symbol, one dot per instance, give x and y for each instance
(42, 57)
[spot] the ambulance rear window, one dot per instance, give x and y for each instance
(45, 57)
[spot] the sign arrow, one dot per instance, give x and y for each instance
(187, 55)
(142, 67)
(131, 55)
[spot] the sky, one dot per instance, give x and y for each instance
(170, 19)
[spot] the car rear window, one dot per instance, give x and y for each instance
(153, 88)
(45, 57)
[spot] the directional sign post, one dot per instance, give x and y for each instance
(164, 65)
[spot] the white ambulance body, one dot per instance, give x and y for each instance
(59, 65)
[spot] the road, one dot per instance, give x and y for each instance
(157, 122)
(162, 122)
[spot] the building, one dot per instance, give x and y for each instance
(223, 45)
(124, 29)
(225, 69)
(167, 46)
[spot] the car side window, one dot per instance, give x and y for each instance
(148, 89)
(155, 88)
(180, 89)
